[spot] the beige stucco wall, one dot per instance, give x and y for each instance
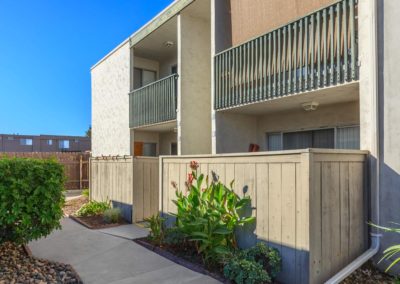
(251, 18)
(110, 104)
(236, 131)
(166, 139)
(194, 85)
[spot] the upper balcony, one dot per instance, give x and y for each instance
(154, 103)
(317, 51)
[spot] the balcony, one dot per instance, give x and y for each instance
(154, 103)
(312, 53)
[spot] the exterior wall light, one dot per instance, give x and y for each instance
(310, 106)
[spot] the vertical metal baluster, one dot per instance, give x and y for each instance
(338, 45)
(331, 23)
(306, 30)
(301, 55)
(279, 62)
(255, 70)
(269, 65)
(318, 49)
(248, 73)
(236, 79)
(274, 64)
(264, 62)
(353, 41)
(240, 74)
(295, 55)
(312, 59)
(324, 31)
(284, 50)
(345, 44)
(252, 70)
(290, 57)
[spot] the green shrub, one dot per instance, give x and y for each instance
(174, 236)
(156, 225)
(93, 208)
(112, 215)
(245, 266)
(85, 192)
(245, 271)
(31, 198)
(208, 215)
(268, 257)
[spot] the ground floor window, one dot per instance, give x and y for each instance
(174, 149)
(150, 149)
(330, 138)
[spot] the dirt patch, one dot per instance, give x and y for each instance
(368, 274)
(71, 206)
(17, 266)
(96, 222)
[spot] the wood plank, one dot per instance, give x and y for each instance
(275, 205)
(262, 201)
(344, 213)
(289, 221)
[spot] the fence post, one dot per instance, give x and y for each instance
(80, 172)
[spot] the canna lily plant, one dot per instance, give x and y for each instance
(208, 213)
(391, 253)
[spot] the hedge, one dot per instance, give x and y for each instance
(31, 198)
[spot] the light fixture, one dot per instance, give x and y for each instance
(168, 43)
(310, 106)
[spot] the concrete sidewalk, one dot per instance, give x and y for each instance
(108, 256)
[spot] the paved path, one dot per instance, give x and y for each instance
(109, 256)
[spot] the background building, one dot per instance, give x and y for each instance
(43, 143)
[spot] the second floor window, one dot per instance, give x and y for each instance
(49, 142)
(63, 144)
(25, 142)
(143, 77)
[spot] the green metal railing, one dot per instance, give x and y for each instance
(316, 51)
(153, 103)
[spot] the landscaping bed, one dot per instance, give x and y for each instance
(96, 222)
(18, 266)
(73, 205)
(185, 256)
(368, 274)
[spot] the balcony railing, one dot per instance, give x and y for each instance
(316, 51)
(153, 103)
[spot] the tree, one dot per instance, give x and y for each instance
(88, 132)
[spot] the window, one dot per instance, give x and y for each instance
(149, 149)
(143, 77)
(25, 142)
(331, 138)
(274, 141)
(348, 137)
(174, 69)
(49, 142)
(63, 144)
(10, 138)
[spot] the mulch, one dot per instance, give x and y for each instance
(96, 222)
(71, 206)
(368, 274)
(185, 256)
(17, 265)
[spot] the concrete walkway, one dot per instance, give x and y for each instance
(109, 256)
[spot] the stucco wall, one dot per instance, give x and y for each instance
(194, 85)
(236, 131)
(166, 139)
(110, 104)
(251, 18)
(389, 99)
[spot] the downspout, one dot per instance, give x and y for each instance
(375, 237)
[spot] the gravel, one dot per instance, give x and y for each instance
(71, 206)
(16, 266)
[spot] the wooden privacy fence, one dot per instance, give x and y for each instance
(310, 204)
(76, 165)
(129, 183)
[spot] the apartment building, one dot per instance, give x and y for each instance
(43, 143)
(233, 76)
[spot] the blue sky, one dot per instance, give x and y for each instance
(46, 50)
